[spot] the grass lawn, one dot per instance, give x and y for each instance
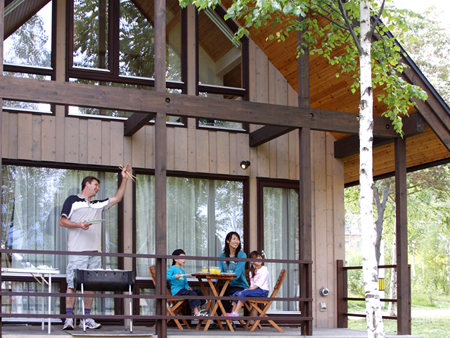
(427, 322)
(426, 327)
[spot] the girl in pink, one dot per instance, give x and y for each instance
(259, 284)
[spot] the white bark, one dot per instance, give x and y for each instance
(369, 234)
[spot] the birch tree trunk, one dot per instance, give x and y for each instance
(369, 233)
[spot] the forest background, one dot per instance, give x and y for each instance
(428, 44)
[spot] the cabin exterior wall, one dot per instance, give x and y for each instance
(90, 141)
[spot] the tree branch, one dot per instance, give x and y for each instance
(323, 15)
(350, 28)
(380, 13)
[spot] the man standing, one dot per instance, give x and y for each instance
(77, 212)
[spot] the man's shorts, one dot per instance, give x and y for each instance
(82, 263)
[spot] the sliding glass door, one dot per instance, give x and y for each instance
(281, 237)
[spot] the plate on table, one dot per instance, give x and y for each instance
(227, 274)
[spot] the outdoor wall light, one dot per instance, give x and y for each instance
(245, 164)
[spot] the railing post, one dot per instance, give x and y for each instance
(342, 293)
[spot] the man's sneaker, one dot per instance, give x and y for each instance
(90, 324)
(68, 324)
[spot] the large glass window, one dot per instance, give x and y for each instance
(32, 199)
(27, 49)
(200, 213)
(115, 38)
(28, 42)
(220, 64)
(281, 240)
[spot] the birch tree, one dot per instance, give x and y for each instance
(356, 26)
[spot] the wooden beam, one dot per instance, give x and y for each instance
(105, 97)
(435, 111)
(136, 122)
(266, 134)
(403, 281)
(412, 125)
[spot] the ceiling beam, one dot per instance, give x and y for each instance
(144, 101)
(136, 122)
(412, 125)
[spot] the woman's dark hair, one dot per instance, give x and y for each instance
(226, 248)
(254, 254)
(177, 252)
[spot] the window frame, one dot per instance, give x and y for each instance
(112, 74)
(224, 90)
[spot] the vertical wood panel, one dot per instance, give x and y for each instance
(261, 77)
(273, 158)
(191, 151)
(212, 152)
(202, 148)
(59, 138)
(149, 147)
(5, 132)
(12, 136)
(243, 154)
(283, 156)
(263, 160)
(170, 148)
(48, 138)
(331, 259)
(94, 142)
(138, 144)
(293, 155)
(83, 149)
(24, 143)
(252, 70)
(223, 153)
(292, 100)
(233, 153)
(117, 144)
(36, 136)
(72, 139)
(106, 143)
(181, 149)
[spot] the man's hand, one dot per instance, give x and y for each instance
(85, 226)
(126, 172)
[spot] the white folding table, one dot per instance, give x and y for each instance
(39, 274)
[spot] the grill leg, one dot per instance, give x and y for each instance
(131, 309)
(82, 302)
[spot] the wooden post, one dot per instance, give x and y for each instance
(160, 165)
(305, 245)
(342, 305)
(403, 281)
(2, 21)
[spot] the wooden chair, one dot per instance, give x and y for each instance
(174, 306)
(252, 305)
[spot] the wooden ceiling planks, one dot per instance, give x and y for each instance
(420, 149)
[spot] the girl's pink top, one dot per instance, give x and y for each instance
(261, 278)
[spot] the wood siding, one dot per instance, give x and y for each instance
(99, 142)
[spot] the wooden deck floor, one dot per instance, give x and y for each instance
(19, 331)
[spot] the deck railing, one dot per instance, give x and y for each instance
(304, 320)
(343, 299)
